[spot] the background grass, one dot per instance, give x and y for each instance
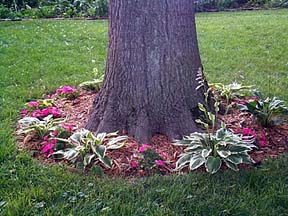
(38, 56)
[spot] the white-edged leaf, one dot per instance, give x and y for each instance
(106, 161)
(196, 162)
(223, 153)
(231, 165)
(205, 153)
(183, 161)
(116, 143)
(100, 151)
(87, 159)
(213, 164)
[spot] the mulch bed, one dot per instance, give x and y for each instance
(77, 112)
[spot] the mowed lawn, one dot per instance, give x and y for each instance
(38, 56)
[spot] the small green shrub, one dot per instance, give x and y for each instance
(4, 12)
(268, 111)
(90, 148)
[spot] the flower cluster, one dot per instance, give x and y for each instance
(51, 142)
(261, 139)
(150, 158)
(45, 112)
(248, 99)
(67, 91)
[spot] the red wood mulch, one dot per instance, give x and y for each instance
(77, 112)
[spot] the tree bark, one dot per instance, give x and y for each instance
(150, 79)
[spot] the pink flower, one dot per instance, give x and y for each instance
(53, 141)
(144, 147)
(34, 103)
(55, 133)
(263, 136)
(159, 163)
(262, 143)
(45, 138)
(247, 99)
(59, 91)
(23, 113)
(246, 131)
(255, 98)
(36, 113)
(48, 148)
(134, 164)
(68, 89)
(67, 126)
(45, 112)
(54, 111)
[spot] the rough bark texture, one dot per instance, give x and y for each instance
(150, 78)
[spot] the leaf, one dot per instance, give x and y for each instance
(183, 161)
(100, 151)
(202, 108)
(242, 107)
(235, 158)
(223, 153)
(205, 153)
(106, 161)
(211, 116)
(239, 148)
(87, 159)
(114, 143)
(196, 162)
(182, 142)
(231, 165)
(71, 154)
(220, 133)
(100, 138)
(213, 164)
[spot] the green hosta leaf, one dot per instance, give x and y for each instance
(182, 142)
(193, 148)
(199, 121)
(100, 151)
(87, 159)
(223, 153)
(239, 148)
(27, 121)
(211, 116)
(183, 161)
(201, 107)
(100, 138)
(235, 158)
(242, 107)
(231, 165)
(246, 158)
(116, 143)
(71, 154)
(106, 161)
(220, 133)
(205, 153)
(213, 164)
(196, 162)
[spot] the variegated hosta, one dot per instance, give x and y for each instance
(40, 127)
(91, 148)
(213, 149)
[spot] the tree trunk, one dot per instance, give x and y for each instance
(150, 80)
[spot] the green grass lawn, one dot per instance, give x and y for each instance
(38, 56)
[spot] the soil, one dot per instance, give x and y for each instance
(77, 113)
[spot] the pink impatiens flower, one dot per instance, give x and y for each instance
(34, 103)
(246, 131)
(23, 113)
(262, 143)
(144, 147)
(134, 164)
(159, 163)
(45, 138)
(55, 133)
(66, 90)
(48, 148)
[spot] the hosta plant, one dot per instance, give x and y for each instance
(90, 148)
(40, 127)
(92, 85)
(268, 111)
(212, 149)
(228, 92)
